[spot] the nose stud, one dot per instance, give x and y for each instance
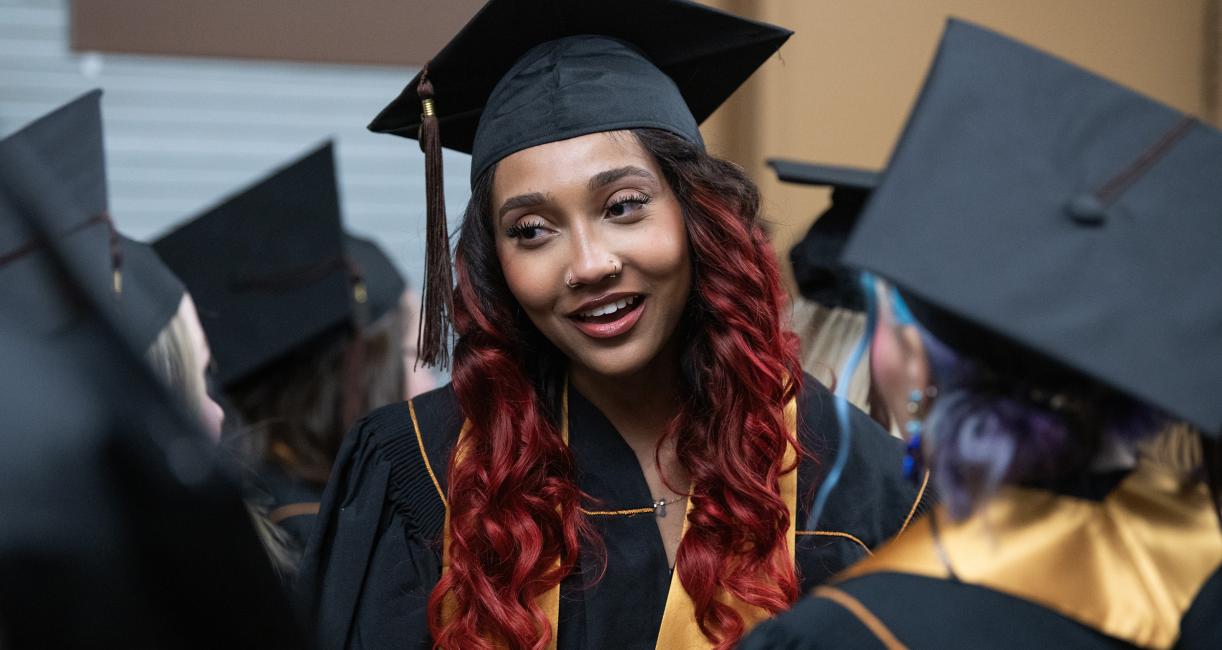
(616, 268)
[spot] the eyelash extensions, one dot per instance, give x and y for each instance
(523, 230)
(639, 199)
(527, 230)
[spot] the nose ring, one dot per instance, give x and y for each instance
(616, 268)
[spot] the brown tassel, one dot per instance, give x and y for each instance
(432, 342)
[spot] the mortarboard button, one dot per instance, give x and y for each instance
(1087, 210)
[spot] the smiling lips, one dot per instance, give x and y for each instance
(609, 316)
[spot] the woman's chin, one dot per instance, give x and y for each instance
(618, 363)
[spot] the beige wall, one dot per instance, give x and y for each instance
(842, 86)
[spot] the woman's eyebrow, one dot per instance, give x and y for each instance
(602, 179)
(521, 201)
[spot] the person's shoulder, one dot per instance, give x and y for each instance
(819, 425)
(814, 622)
(872, 501)
(436, 414)
(429, 418)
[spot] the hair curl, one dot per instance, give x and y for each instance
(515, 510)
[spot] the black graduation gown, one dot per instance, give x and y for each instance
(892, 606)
(288, 501)
(375, 554)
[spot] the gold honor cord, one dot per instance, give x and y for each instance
(679, 629)
(1128, 566)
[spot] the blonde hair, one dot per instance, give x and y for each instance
(828, 335)
(173, 359)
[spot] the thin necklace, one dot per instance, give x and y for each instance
(659, 505)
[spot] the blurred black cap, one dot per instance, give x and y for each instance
(121, 526)
(269, 268)
(816, 259)
(384, 286)
(124, 275)
(1062, 212)
(527, 72)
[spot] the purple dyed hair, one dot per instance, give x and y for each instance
(991, 426)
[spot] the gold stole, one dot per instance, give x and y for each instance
(679, 629)
(1128, 566)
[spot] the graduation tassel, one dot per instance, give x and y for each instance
(432, 341)
(116, 255)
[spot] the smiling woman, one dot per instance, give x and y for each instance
(620, 350)
(599, 262)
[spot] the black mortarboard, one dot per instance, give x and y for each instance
(383, 285)
(122, 525)
(151, 293)
(1062, 212)
(268, 268)
(524, 73)
(125, 275)
(816, 259)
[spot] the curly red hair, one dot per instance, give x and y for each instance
(516, 524)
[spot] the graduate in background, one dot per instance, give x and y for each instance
(152, 298)
(629, 448)
(120, 526)
(305, 324)
(1057, 326)
(829, 312)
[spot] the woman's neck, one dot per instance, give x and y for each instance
(641, 405)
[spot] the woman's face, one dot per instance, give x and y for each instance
(211, 413)
(592, 243)
(897, 361)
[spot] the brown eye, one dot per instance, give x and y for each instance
(526, 231)
(627, 205)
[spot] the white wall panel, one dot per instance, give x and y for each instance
(181, 134)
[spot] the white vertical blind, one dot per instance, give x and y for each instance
(181, 133)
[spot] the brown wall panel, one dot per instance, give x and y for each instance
(842, 86)
(391, 32)
(1211, 92)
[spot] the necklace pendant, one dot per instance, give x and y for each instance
(659, 508)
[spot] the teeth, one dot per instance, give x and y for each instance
(609, 308)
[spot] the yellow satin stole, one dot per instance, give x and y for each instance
(1128, 566)
(679, 630)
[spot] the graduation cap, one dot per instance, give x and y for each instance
(383, 285)
(1067, 215)
(816, 259)
(122, 525)
(271, 269)
(525, 73)
(125, 275)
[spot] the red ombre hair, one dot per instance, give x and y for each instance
(516, 524)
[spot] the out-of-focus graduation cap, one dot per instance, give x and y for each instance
(816, 259)
(271, 269)
(121, 525)
(524, 73)
(1062, 212)
(384, 286)
(125, 275)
